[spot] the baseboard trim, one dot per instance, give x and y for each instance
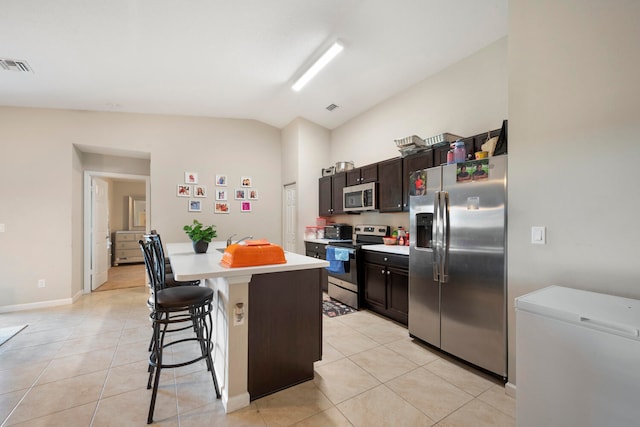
(510, 389)
(32, 305)
(236, 402)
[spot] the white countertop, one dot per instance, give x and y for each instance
(187, 265)
(390, 249)
(325, 241)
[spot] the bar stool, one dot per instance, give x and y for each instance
(165, 274)
(183, 306)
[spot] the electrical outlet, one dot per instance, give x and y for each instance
(41, 283)
(1, 228)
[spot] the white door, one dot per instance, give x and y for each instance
(100, 242)
(290, 217)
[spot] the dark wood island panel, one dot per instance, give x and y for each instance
(285, 329)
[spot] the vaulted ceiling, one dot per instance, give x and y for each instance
(233, 59)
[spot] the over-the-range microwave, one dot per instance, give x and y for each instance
(358, 198)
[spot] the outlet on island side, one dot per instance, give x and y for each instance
(41, 283)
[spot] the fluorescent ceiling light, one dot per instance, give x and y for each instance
(331, 53)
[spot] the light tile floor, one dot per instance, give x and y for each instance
(85, 365)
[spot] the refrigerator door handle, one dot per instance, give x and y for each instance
(436, 239)
(444, 256)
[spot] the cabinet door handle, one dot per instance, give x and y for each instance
(382, 271)
(388, 272)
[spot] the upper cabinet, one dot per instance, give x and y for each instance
(390, 193)
(330, 194)
(363, 174)
(413, 168)
(397, 178)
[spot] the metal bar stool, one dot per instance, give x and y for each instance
(189, 306)
(166, 275)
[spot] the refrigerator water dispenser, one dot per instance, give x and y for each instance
(424, 230)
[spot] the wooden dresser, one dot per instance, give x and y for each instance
(126, 248)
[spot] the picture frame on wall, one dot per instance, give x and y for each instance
(252, 194)
(240, 194)
(245, 207)
(195, 206)
(221, 208)
(221, 180)
(199, 191)
(245, 181)
(190, 178)
(221, 195)
(183, 190)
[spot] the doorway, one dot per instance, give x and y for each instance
(97, 241)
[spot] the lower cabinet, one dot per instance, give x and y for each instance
(386, 284)
(317, 250)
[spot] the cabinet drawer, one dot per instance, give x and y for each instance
(129, 254)
(126, 237)
(315, 247)
(398, 261)
(128, 245)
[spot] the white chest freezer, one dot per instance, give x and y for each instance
(577, 359)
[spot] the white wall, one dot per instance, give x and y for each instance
(466, 99)
(306, 152)
(574, 121)
(41, 186)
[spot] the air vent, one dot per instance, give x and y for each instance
(332, 107)
(15, 65)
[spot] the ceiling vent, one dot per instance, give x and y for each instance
(332, 107)
(15, 65)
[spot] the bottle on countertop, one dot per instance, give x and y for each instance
(401, 236)
(406, 239)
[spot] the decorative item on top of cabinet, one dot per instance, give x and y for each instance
(386, 284)
(126, 249)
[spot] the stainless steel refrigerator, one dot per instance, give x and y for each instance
(457, 262)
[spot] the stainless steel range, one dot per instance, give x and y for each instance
(345, 275)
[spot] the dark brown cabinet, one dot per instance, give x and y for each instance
(330, 194)
(285, 331)
(390, 185)
(363, 174)
(412, 165)
(386, 284)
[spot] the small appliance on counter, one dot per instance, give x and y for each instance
(338, 231)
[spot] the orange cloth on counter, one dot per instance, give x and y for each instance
(252, 253)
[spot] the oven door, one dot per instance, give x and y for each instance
(343, 275)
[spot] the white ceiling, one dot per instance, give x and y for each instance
(234, 58)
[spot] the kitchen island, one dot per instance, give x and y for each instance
(268, 320)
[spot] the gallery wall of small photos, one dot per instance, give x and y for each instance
(243, 193)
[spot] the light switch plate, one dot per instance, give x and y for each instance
(1, 228)
(539, 235)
